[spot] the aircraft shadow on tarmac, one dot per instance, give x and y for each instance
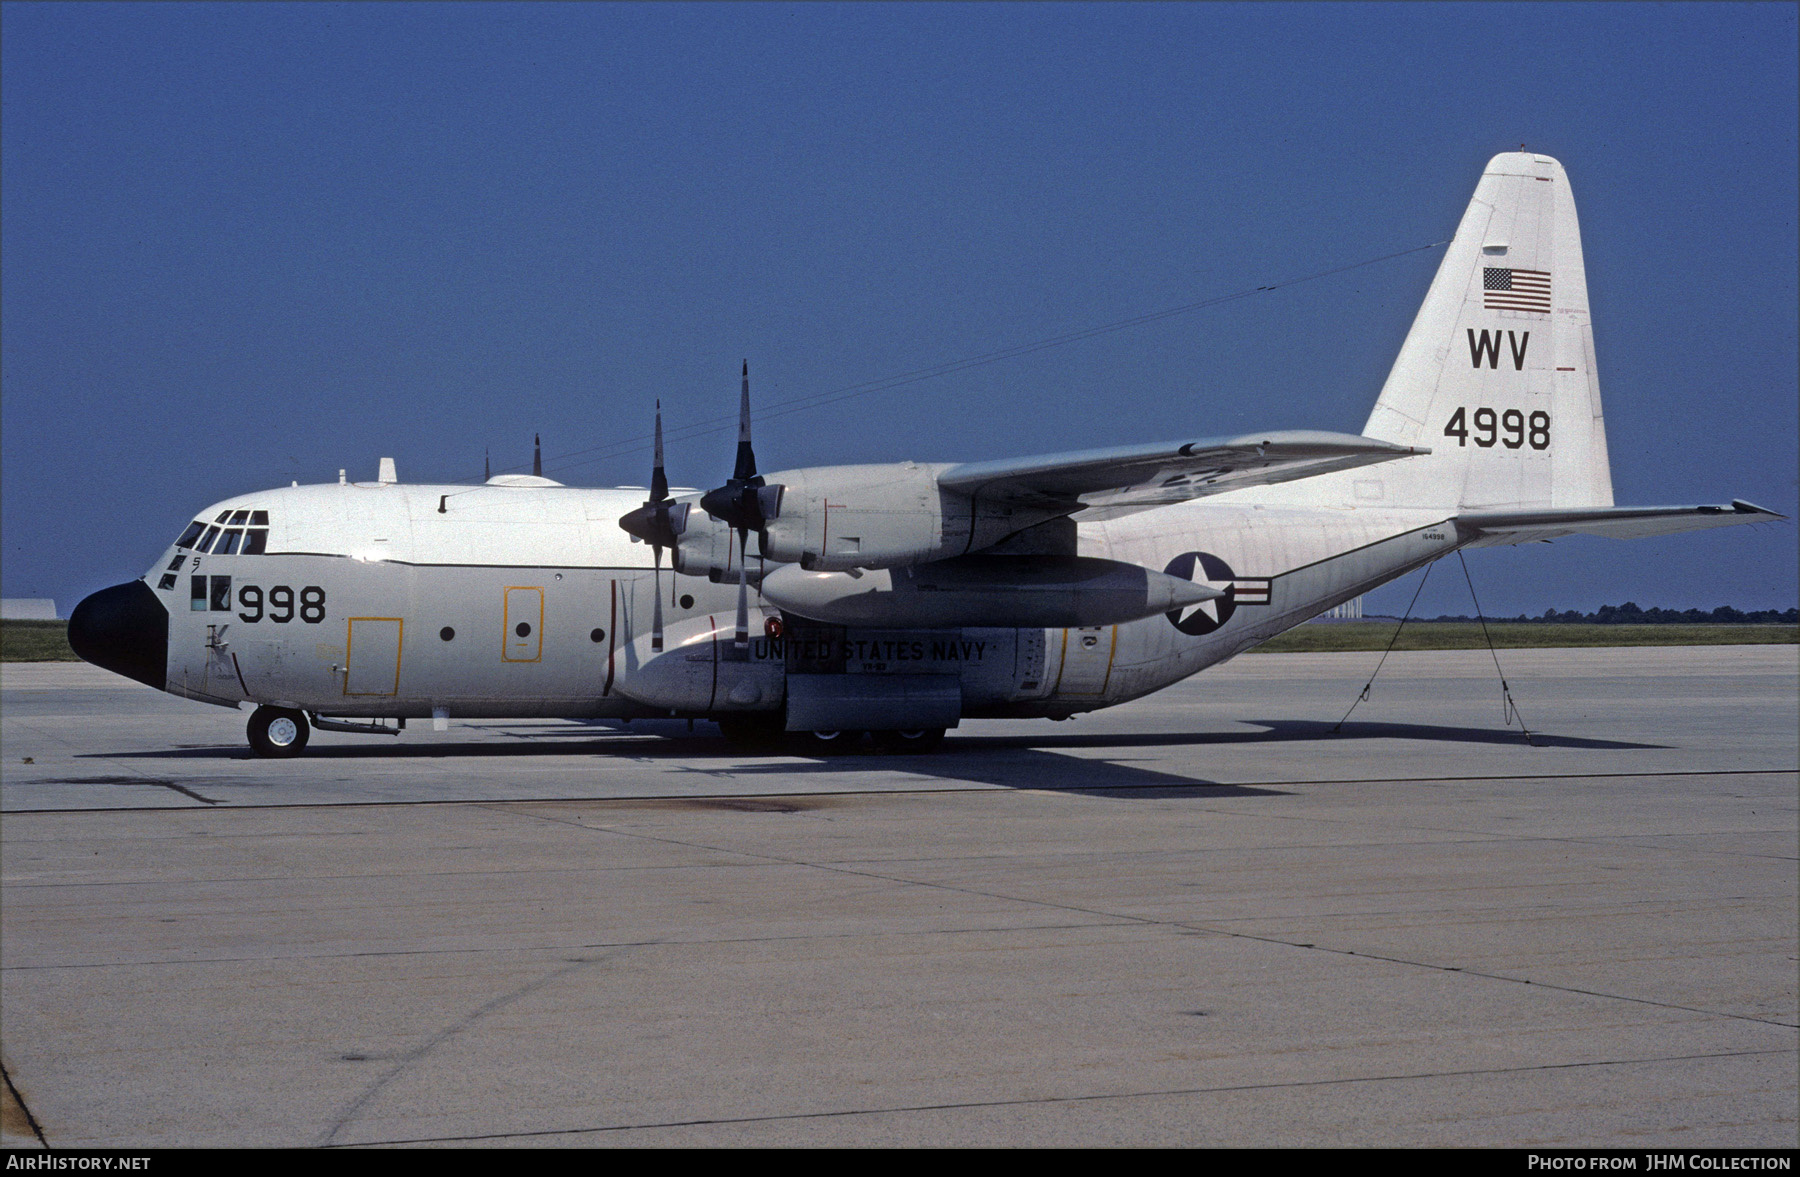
(1039, 762)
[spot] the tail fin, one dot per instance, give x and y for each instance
(1497, 375)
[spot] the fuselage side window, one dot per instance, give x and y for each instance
(191, 534)
(197, 597)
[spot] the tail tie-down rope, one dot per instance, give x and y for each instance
(1364, 696)
(1509, 709)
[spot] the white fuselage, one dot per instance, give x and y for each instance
(370, 600)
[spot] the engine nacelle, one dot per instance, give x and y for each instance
(709, 548)
(696, 672)
(836, 518)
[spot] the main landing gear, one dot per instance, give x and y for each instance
(826, 743)
(277, 732)
(923, 740)
(762, 733)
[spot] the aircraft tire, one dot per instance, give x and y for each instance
(922, 740)
(277, 733)
(839, 743)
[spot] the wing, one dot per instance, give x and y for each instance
(1111, 482)
(1522, 527)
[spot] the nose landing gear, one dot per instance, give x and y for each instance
(277, 732)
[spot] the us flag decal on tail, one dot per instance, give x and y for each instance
(1505, 289)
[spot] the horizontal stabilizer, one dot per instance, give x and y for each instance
(1110, 482)
(1521, 527)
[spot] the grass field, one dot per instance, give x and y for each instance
(35, 641)
(46, 641)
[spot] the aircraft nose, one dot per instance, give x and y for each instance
(124, 629)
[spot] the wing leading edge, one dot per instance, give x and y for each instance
(1106, 483)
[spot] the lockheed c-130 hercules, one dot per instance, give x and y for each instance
(900, 599)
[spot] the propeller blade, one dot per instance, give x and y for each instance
(661, 520)
(537, 456)
(738, 503)
(656, 620)
(741, 639)
(659, 481)
(660, 523)
(745, 470)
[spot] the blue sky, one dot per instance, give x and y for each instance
(247, 243)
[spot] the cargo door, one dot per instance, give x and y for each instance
(372, 656)
(1087, 657)
(523, 637)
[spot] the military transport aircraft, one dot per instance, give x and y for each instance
(901, 599)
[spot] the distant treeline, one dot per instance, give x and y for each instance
(1630, 614)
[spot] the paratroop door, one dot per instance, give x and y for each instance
(372, 656)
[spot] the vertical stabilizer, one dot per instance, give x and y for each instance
(1497, 375)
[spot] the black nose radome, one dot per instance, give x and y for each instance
(126, 630)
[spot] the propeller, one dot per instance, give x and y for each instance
(659, 523)
(745, 504)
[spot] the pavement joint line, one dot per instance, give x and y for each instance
(1481, 836)
(973, 787)
(603, 944)
(1186, 926)
(1071, 856)
(1473, 838)
(407, 1060)
(12, 1090)
(1145, 920)
(1069, 1099)
(1315, 947)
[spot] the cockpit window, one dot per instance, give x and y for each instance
(219, 541)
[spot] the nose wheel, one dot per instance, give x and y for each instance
(276, 732)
